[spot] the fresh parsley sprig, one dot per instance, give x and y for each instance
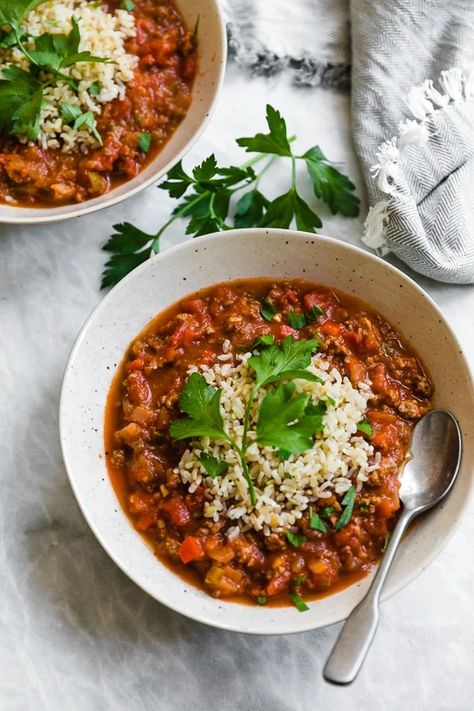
(207, 197)
(22, 92)
(284, 421)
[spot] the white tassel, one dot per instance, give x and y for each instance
(413, 133)
(469, 83)
(438, 99)
(375, 226)
(418, 104)
(451, 81)
(387, 170)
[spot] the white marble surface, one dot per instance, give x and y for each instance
(75, 633)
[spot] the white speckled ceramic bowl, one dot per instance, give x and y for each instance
(200, 263)
(211, 67)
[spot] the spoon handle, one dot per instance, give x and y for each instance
(359, 629)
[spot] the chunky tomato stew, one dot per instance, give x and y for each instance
(132, 129)
(269, 509)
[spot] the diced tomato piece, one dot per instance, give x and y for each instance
(190, 549)
(186, 333)
(331, 328)
(145, 522)
(138, 389)
(189, 67)
(357, 370)
(278, 583)
(195, 501)
(352, 338)
(385, 428)
(136, 364)
(386, 507)
(177, 511)
(378, 376)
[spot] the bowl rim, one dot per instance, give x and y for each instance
(85, 208)
(195, 614)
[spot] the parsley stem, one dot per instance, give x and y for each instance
(293, 172)
(246, 472)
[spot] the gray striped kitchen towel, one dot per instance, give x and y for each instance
(412, 109)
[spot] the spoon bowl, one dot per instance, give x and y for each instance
(435, 458)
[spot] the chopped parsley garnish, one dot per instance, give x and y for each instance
(296, 320)
(348, 503)
(70, 112)
(88, 119)
(298, 602)
(94, 88)
(327, 511)
(295, 540)
(316, 523)
(366, 428)
(262, 600)
(313, 313)
(214, 467)
(128, 5)
(268, 310)
(205, 199)
(331, 400)
(144, 142)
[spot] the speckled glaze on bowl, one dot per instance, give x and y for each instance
(196, 264)
(212, 54)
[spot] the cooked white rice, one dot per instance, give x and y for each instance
(339, 458)
(103, 34)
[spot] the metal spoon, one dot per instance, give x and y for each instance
(428, 477)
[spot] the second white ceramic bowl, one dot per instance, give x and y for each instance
(200, 263)
(211, 67)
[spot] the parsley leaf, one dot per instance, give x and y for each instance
(12, 12)
(296, 320)
(298, 602)
(316, 523)
(144, 142)
(214, 467)
(288, 207)
(313, 313)
(128, 5)
(250, 209)
(21, 101)
(70, 112)
(94, 88)
(202, 403)
(268, 310)
(284, 362)
(55, 52)
(285, 422)
(327, 511)
(330, 185)
(366, 428)
(266, 340)
(348, 502)
(295, 539)
(88, 119)
(275, 142)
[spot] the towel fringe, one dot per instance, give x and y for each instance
(455, 85)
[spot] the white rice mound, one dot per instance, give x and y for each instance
(103, 34)
(339, 458)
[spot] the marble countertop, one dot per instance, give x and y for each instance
(76, 634)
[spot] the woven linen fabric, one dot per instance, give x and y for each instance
(412, 109)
